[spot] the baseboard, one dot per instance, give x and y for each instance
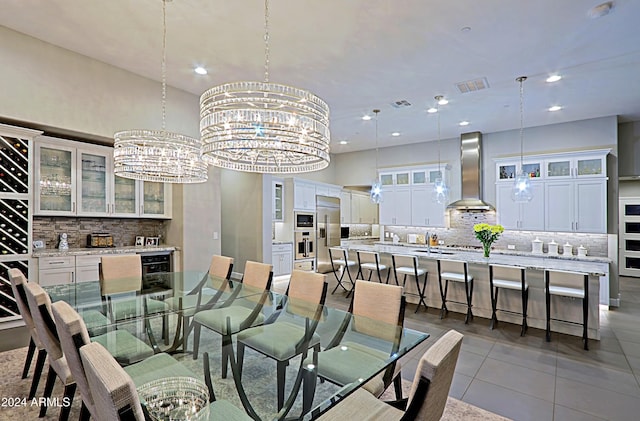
(614, 302)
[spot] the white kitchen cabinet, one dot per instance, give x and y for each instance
(363, 210)
(94, 173)
(590, 164)
(425, 212)
(126, 197)
(56, 270)
(304, 196)
(576, 206)
(156, 200)
(508, 170)
(87, 268)
(277, 204)
(520, 216)
(395, 178)
(345, 207)
(395, 208)
(55, 179)
(282, 259)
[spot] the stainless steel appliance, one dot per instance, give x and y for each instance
(327, 230)
(304, 245)
(304, 221)
(629, 238)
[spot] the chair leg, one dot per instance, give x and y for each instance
(84, 413)
(240, 358)
(494, 305)
(388, 273)
(585, 319)
(468, 294)
(27, 361)
(69, 393)
(281, 375)
(443, 295)
(225, 359)
(525, 304)
(37, 373)
(48, 389)
(196, 339)
(548, 309)
(397, 385)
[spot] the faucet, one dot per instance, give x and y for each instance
(428, 243)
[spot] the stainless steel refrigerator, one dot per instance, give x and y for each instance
(327, 230)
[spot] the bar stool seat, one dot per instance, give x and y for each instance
(565, 289)
(502, 281)
(447, 274)
(341, 263)
(407, 265)
(567, 292)
(372, 263)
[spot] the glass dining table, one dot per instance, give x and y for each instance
(166, 302)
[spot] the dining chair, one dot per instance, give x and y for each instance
(428, 395)
(244, 312)
(282, 336)
(115, 395)
(40, 306)
(18, 285)
(365, 341)
(215, 281)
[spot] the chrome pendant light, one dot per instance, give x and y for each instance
(159, 155)
(376, 186)
(521, 190)
(440, 192)
(264, 127)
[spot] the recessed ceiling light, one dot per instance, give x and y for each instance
(200, 70)
(555, 108)
(432, 110)
(344, 142)
(395, 134)
(465, 29)
(600, 10)
(443, 101)
(366, 117)
(463, 123)
(554, 78)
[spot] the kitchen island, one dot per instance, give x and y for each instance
(597, 268)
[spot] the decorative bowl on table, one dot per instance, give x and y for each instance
(175, 399)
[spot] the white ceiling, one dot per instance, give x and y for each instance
(359, 55)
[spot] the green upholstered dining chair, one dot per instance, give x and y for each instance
(244, 308)
(40, 306)
(115, 395)
(428, 395)
(213, 288)
(365, 341)
(282, 336)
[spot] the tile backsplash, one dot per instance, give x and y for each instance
(124, 230)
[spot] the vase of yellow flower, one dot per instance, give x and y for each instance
(487, 234)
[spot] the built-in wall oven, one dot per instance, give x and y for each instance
(629, 236)
(304, 245)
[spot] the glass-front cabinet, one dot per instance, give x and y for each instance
(94, 188)
(577, 166)
(509, 169)
(125, 196)
(153, 201)
(55, 180)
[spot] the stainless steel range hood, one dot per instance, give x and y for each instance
(471, 163)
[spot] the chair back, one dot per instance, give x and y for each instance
(43, 320)
(509, 273)
(368, 257)
(378, 302)
(120, 273)
(433, 378)
(73, 334)
(338, 253)
(455, 266)
(221, 266)
(308, 290)
(113, 390)
(18, 285)
(257, 275)
(404, 260)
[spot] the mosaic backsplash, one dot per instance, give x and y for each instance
(124, 230)
(461, 233)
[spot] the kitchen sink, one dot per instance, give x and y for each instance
(433, 252)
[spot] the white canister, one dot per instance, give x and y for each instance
(553, 248)
(536, 246)
(582, 251)
(567, 249)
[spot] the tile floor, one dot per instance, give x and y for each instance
(526, 378)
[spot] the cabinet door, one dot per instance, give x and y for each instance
(356, 208)
(591, 206)
(420, 199)
(345, 207)
(278, 201)
(507, 211)
(93, 190)
(125, 196)
(559, 206)
(370, 210)
(304, 196)
(403, 206)
(55, 277)
(56, 188)
(532, 213)
(591, 166)
(156, 201)
(387, 207)
(287, 262)
(559, 168)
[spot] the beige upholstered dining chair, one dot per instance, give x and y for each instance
(40, 306)
(428, 395)
(114, 391)
(243, 312)
(379, 310)
(282, 337)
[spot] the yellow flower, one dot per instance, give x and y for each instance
(481, 227)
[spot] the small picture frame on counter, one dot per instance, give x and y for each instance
(38, 244)
(139, 240)
(153, 241)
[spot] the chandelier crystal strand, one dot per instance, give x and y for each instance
(264, 127)
(521, 190)
(440, 189)
(376, 186)
(159, 155)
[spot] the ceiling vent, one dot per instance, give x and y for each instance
(472, 85)
(403, 103)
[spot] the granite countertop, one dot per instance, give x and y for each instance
(537, 262)
(97, 250)
(360, 238)
(278, 242)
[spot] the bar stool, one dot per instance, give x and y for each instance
(508, 278)
(455, 271)
(567, 290)
(341, 262)
(371, 263)
(408, 265)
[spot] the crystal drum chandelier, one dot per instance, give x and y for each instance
(440, 192)
(159, 155)
(264, 127)
(376, 187)
(521, 190)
